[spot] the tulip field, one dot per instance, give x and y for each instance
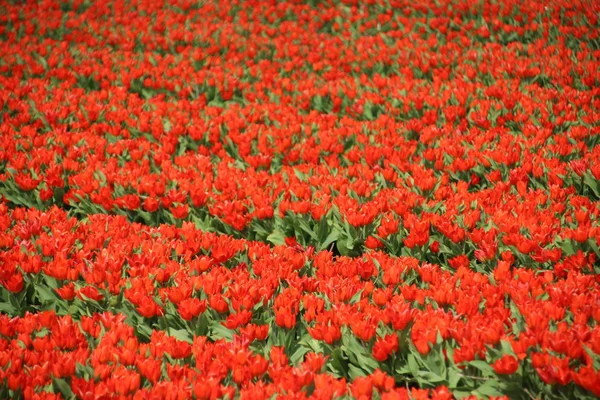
(328, 199)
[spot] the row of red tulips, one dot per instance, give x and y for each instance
(509, 332)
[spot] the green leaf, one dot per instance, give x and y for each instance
(298, 355)
(84, 371)
(459, 394)
(453, 378)
(41, 60)
(485, 368)
(567, 247)
(356, 298)
(338, 363)
(355, 372)
(300, 175)
(332, 237)
(342, 248)
(50, 281)
(594, 246)
(506, 347)
(519, 325)
(430, 377)
(357, 354)
(44, 294)
(61, 386)
(592, 183)
(143, 330)
(181, 334)
(595, 358)
(435, 362)
(313, 344)
(306, 228)
(413, 365)
(218, 331)
(7, 308)
(277, 238)
(489, 388)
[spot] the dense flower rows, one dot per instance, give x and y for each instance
(234, 311)
(386, 198)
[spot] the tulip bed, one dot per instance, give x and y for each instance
(386, 199)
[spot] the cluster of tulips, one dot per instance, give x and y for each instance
(107, 294)
(305, 198)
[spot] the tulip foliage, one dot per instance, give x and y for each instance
(385, 199)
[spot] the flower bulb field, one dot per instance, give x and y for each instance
(328, 199)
